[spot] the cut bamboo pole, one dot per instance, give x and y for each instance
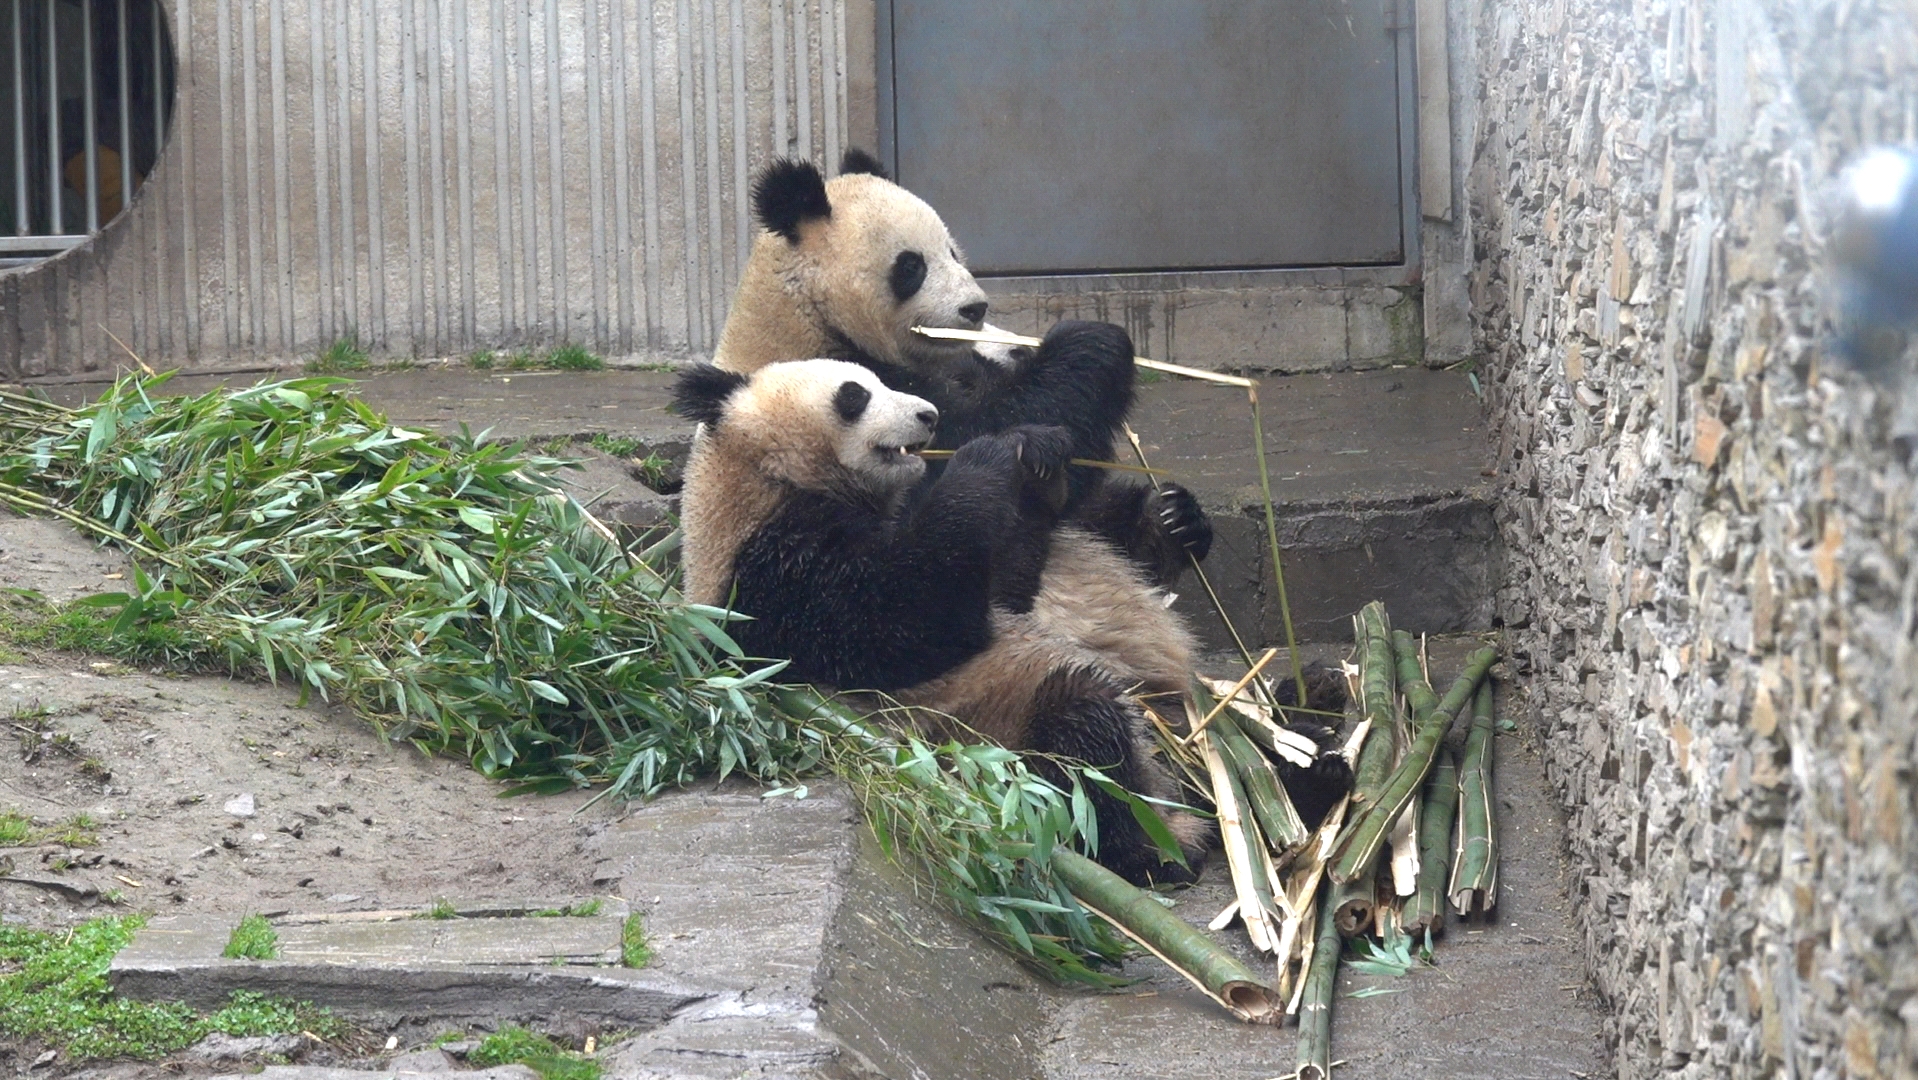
(1245, 854)
(1002, 337)
(1360, 847)
(1426, 910)
(1475, 872)
(1315, 1013)
(1278, 819)
(1140, 916)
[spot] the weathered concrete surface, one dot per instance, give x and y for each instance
(1708, 517)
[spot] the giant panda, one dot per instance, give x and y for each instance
(845, 268)
(803, 509)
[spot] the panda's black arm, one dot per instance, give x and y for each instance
(1080, 378)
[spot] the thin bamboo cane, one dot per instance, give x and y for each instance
(1237, 689)
(1272, 539)
(1140, 916)
(1475, 872)
(1006, 338)
(1315, 1014)
(1360, 847)
(1426, 910)
(1111, 466)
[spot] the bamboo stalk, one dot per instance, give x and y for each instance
(1315, 1013)
(1360, 846)
(1412, 680)
(1002, 337)
(1140, 916)
(1278, 819)
(1272, 538)
(1426, 910)
(1237, 689)
(1244, 856)
(1114, 466)
(1475, 872)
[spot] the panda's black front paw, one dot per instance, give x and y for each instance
(1044, 450)
(1177, 512)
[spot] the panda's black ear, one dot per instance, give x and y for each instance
(787, 193)
(858, 161)
(702, 392)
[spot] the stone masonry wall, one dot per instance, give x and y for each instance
(1710, 527)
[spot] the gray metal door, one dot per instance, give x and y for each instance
(1073, 136)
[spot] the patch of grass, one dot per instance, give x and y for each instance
(344, 355)
(16, 828)
(77, 629)
(653, 470)
(441, 909)
(583, 909)
(517, 1045)
(252, 939)
(619, 446)
(480, 360)
(634, 950)
(55, 992)
(523, 360)
(77, 831)
(574, 358)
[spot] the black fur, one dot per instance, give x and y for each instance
(1084, 717)
(850, 401)
(858, 161)
(787, 193)
(1155, 529)
(1080, 377)
(702, 390)
(1315, 790)
(908, 274)
(863, 596)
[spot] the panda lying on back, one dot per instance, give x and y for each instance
(803, 509)
(846, 268)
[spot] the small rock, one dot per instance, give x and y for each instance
(220, 1046)
(240, 805)
(342, 898)
(46, 1058)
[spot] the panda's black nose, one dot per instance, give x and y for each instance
(929, 417)
(974, 312)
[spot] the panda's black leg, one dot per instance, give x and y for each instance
(1096, 726)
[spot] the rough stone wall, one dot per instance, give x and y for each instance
(1710, 527)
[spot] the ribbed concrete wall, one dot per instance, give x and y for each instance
(434, 177)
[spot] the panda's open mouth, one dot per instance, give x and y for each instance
(908, 450)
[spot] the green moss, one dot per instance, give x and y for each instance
(516, 1045)
(573, 358)
(634, 950)
(252, 939)
(54, 991)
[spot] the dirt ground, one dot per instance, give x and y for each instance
(226, 796)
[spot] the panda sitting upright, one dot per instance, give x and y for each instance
(804, 510)
(846, 268)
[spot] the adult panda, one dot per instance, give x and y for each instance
(845, 268)
(804, 508)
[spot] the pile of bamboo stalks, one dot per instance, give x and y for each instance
(1386, 862)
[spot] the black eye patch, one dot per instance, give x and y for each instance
(850, 401)
(908, 273)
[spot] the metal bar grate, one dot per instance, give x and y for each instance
(86, 89)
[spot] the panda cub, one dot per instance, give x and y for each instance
(804, 508)
(845, 268)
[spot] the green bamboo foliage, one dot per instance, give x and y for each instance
(1475, 874)
(1359, 848)
(1426, 909)
(445, 590)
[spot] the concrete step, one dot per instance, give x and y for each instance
(1380, 479)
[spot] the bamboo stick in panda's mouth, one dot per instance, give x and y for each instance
(1001, 337)
(1117, 466)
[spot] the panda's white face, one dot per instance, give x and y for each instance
(883, 263)
(828, 425)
